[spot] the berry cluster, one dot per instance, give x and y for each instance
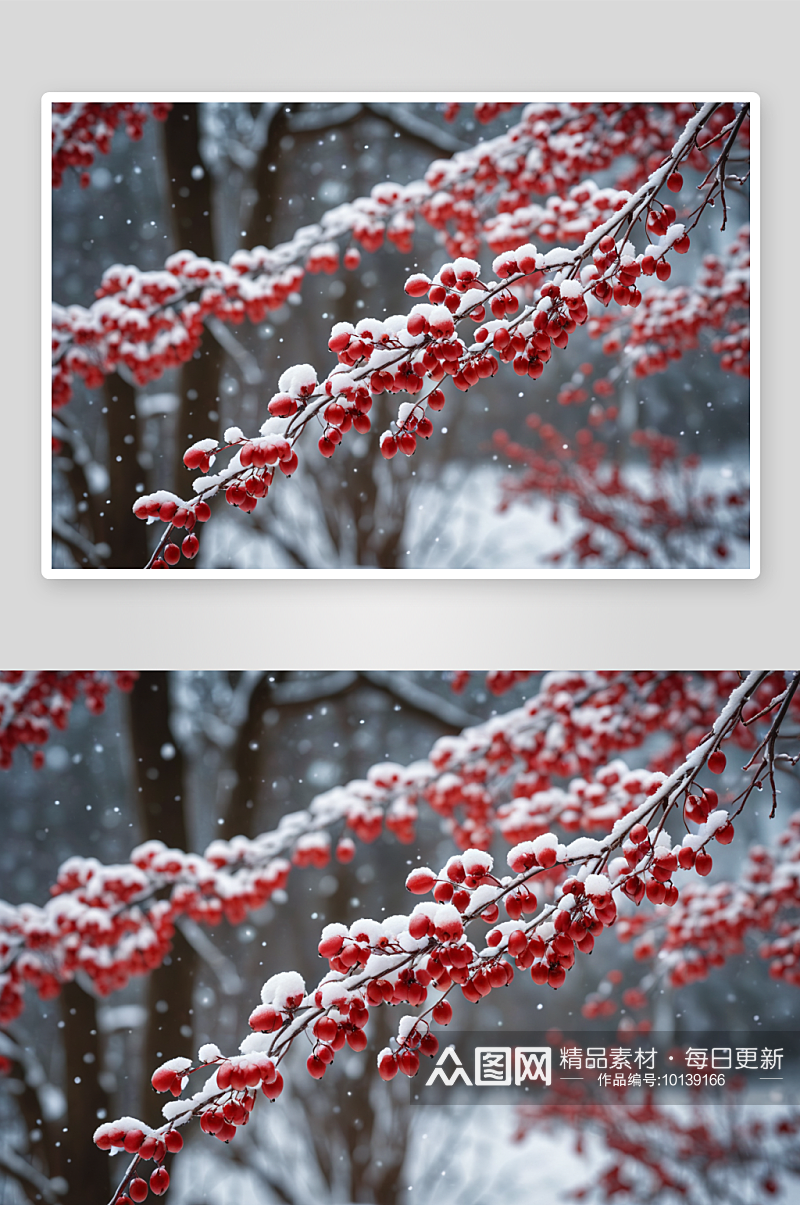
(663, 1154)
(81, 129)
(33, 703)
(670, 321)
(673, 520)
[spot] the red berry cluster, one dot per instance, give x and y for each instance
(33, 703)
(148, 1145)
(621, 522)
(81, 129)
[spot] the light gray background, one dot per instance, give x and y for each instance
(393, 45)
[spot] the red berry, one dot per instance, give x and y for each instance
(420, 881)
(717, 762)
(137, 1189)
(417, 285)
(203, 512)
(172, 554)
(443, 1012)
(725, 834)
(159, 1181)
(190, 547)
(357, 1040)
(315, 1066)
(686, 858)
(703, 863)
(408, 1061)
(133, 1140)
(283, 405)
(655, 891)
(429, 1045)
(163, 1077)
(675, 182)
(325, 1029)
(173, 1141)
(387, 1066)
(556, 976)
(273, 1090)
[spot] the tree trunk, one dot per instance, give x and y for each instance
(85, 1168)
(260, 228)
(193, 226)
(162, 799)
(125, 535)
(248, 762)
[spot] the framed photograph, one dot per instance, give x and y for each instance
(419, 335)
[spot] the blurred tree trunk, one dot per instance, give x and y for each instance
(85, 1168)
(125, 535)
(192, 203)
(267, 184)
(249, 764)
(161, 783)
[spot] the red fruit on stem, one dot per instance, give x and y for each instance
(408, 1062)
(725, 834)
(273, 1090)
(173, 1141)
(717, 762)
(133, 1140)
(703, 863)
(429, 1045)
(172, 554)
(316, 1067)
(159, 1181)
(443, 1012)
(387, 1066)
(420, 880)
(137, 1190)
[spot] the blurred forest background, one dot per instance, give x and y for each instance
(187, 757)
(219, 176)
